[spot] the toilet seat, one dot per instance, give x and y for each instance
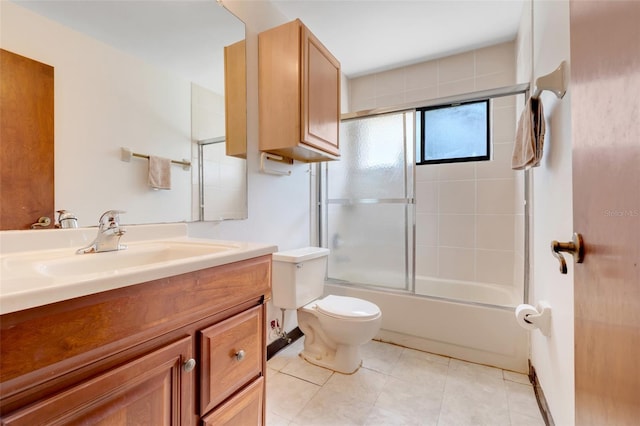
(347, 307)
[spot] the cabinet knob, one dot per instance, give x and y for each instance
(189, 365)
(240, 355)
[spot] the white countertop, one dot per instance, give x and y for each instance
(27, 279)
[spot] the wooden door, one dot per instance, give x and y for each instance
(26, 135)
(320, 95)
(151, 390)
(605, 104)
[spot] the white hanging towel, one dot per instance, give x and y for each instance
(527, 150)
(159, 172)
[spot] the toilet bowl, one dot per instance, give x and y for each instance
(335, 327)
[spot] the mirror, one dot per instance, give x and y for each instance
(147, 76)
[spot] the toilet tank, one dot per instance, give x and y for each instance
(298, 276)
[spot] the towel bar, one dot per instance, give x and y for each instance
(126, 155)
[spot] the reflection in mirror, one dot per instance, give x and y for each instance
(220, 191)
(123, 78)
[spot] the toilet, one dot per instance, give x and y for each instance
(335, 327)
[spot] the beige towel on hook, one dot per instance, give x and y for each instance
(527, 150)
(159, 172)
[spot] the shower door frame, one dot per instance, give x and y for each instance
(517, 89)
(408, 201)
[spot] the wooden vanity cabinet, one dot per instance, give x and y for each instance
(298, 95)
(182, 350)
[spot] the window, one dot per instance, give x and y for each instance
(453, 133)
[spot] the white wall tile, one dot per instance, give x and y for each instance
(427, 232)
(494, 266)
(499, 167)
(390, 82)
(495, 232)
(427, 197)
(457, 197)
(457, 171)
(457, 230)
(426, 261)
(456, 263)
(494, 59)
(421, 75)
(495, 196)
(456, 67)
(457, 87)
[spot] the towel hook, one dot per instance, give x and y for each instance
(575, 247)
(554, 82)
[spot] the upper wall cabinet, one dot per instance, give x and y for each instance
(235, 89)
(299, 95)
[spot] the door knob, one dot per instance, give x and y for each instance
(575, 247)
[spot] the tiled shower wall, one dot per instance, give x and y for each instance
(469, 216)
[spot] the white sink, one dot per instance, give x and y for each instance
(138, 255)
(31, 276)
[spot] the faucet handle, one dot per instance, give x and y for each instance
(110, 218)
(111, 215)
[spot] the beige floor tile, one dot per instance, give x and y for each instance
(421, 368)
(287, 395)
(516, 377)
(413, 401)
(366, 384)
(397, 386)
(522, 399)
(304, 370)
(380, 356)
(330, 408)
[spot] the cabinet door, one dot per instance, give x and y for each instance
(150, 390)
(235, 98)
(231, 356)
(320, 95)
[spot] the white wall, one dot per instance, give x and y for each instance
(553, 357)
(279, 206)
(131, 103)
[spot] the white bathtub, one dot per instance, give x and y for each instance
(471, 292)
(469, 331)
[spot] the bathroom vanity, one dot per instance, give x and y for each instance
(184, 348)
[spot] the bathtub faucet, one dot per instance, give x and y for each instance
(109, 233)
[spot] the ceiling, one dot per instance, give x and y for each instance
(374, 35)
(365, 35)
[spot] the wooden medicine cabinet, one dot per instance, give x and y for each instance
(299, 95)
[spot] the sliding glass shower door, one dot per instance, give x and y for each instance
(367, 206)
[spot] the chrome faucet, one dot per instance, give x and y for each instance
(109, 233)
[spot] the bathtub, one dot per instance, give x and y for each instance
(457, 320)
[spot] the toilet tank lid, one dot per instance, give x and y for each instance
(300, 255)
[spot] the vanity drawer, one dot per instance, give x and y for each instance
(231, 356)
(245, 408)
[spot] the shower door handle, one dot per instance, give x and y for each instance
(575, 247)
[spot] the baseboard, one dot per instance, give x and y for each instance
(542, 401)
(278, 345)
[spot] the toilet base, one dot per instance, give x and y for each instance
(345, 359)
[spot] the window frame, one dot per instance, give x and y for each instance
(420, 121)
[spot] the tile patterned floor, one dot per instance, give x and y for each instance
(397, 386)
